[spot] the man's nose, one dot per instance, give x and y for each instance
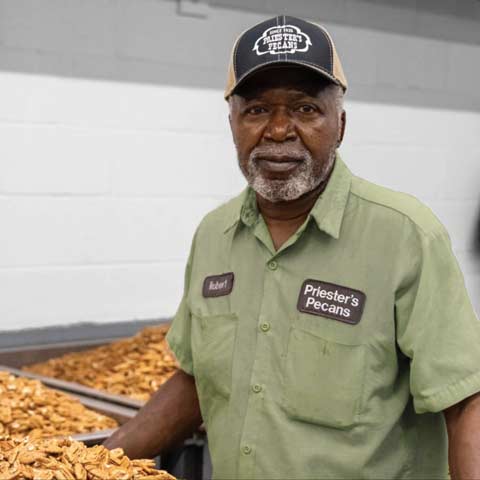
(280, 127)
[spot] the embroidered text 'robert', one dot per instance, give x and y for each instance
(218, 285)
(332, 301)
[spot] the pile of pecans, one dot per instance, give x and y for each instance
(66, 459)
(134, 367)
(27, 407)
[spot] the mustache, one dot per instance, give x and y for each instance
(285, 152)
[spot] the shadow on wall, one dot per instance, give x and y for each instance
(390, 47)
(476, 241)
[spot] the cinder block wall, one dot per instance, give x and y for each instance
(115, 141)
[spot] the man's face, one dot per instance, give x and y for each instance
(286, 127)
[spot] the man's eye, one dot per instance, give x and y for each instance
(256, 110)
(306, 109)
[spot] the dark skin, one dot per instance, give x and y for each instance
(168, 418)
(286, 106)
(463, 427)
(295, 109)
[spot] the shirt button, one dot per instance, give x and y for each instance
(257, 388)
(272, 265)
(265, 327)
(246, 450)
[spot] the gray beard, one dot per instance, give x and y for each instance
(302, 181)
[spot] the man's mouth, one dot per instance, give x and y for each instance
(278, 164)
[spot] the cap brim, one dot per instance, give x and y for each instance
(283, 64)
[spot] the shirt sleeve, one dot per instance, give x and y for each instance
(437, 328)
(179, 334)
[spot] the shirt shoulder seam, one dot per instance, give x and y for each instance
(427, 233)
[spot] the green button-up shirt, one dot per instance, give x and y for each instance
(333, 356)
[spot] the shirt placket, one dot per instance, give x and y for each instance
(259, 387)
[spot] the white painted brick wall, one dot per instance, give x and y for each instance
(34, 297)
(102, 183)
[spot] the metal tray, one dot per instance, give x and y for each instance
(13, 359)
(26, 355)
(189, 461)
(119, 413)
(78, 389)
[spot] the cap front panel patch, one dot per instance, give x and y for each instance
(332, 301)
(218, 285)
(282, 39)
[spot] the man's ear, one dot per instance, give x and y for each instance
(343, 123)
(231, 126)
(230, 106)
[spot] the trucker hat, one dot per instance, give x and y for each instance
(284, 40)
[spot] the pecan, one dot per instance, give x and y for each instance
(134, 367)
(32, 409)
(51, 459)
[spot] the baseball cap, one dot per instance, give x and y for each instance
(284, 40)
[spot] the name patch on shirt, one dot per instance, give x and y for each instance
(218, 285)
(331, 301)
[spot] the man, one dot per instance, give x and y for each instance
(324, 331)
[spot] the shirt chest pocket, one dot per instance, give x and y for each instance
(213, 343)
(323, 379)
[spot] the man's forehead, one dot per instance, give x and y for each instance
(295, 81)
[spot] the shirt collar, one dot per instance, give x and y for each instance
(329, 209)
(327, 212)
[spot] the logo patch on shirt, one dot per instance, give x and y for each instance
(218, 285)
(331, 301)
(282, 39)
